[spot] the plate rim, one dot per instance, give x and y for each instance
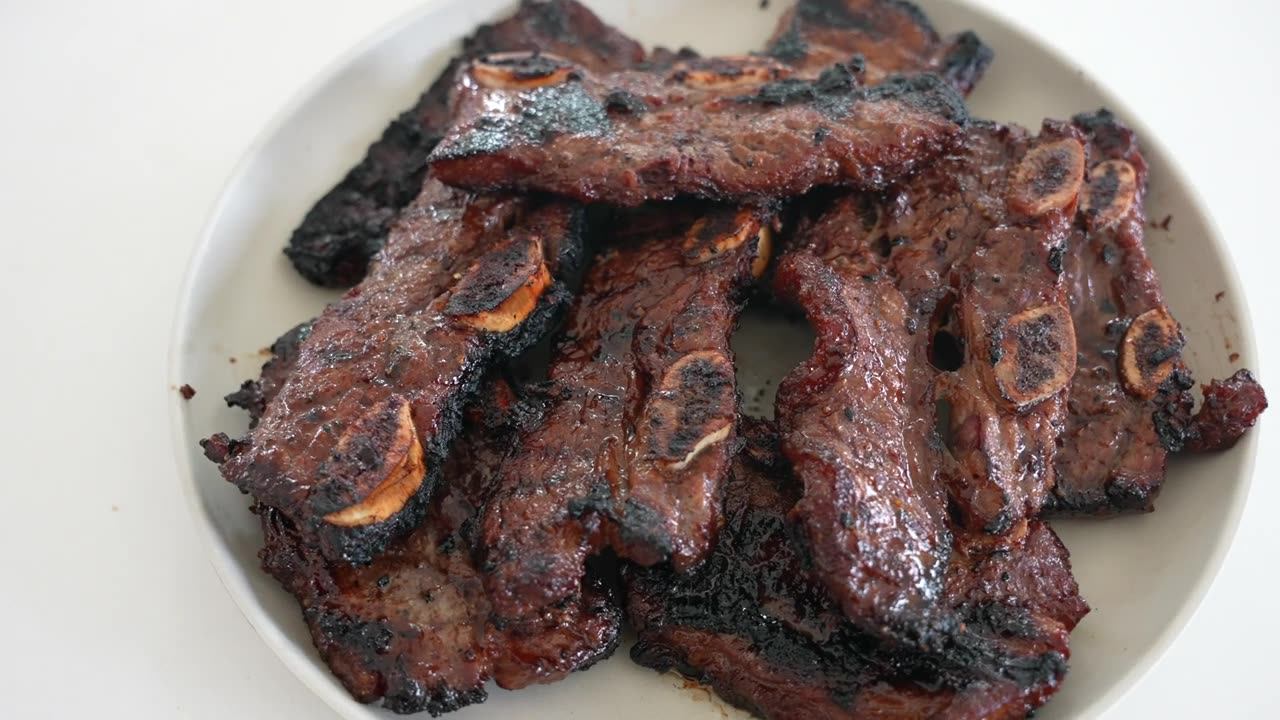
(323, 684)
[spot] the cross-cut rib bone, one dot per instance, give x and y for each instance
(351, 447)
(634, 449)
(697, 129)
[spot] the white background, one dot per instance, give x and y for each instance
(119, 122)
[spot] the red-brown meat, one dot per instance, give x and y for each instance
(634, 449)
(882, 37)
(857, 431)
(755, 625)
(943, 294)
(413, 627)
(727, 129)
(351, 447)
(346, 227)
(1230, 408)
(254, 395)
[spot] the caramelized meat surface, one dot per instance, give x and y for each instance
(855, 428)
(1007, 401)
(412, 627)
(942, 295)
(882, 37)
(346, 227)
(1119, 432)
(754, 624)
(633, 451)
(1130, 399)
(733, 129)
(1230, 408)
(350, 448)
(254, 395)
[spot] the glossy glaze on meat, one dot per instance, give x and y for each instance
(1230, 408)
(352, 446)
(412, 628)
(1007, 400)
(988, 324)
(885, 37)
(855, 427)
(726, 129)
(634, 449)
(346, 227)
(1113, 452)
(254, 395)
(754, 624)
(918, 299)
(1124, 419)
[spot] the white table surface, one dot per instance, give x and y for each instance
(119, 123)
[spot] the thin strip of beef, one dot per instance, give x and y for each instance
(1114, 450)
(1007, 401)
(412, 627)
(975, 244)
(855, 428)
(351, 447)
(755, 625)
(1130, 399)
(735, 129)
(883, 37)
(962, 252)
(346, 227)
(634, 449)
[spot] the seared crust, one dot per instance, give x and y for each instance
(985, 316)
(634, 448)
(253, 395)
(882, 37)
(707, 128)
(1007, 401)
(346, 227)
(412, 627)
(1230, 408)
(1114, 448)
(853, 426)
(352, 446)
(766, 636)
(938, 307)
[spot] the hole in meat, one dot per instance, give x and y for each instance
(946, 351)
(790, 341)
(942, 421)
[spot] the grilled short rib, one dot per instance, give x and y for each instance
(1007, 400)
(755, 625)
(341, 233)
(412, 627)
(633, 451)
(965, 248)
(731, 129)
(350, 448)
(1130, 400)
(882, 37)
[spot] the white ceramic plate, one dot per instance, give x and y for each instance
(1144, 575)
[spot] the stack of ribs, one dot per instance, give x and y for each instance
(992, 350)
